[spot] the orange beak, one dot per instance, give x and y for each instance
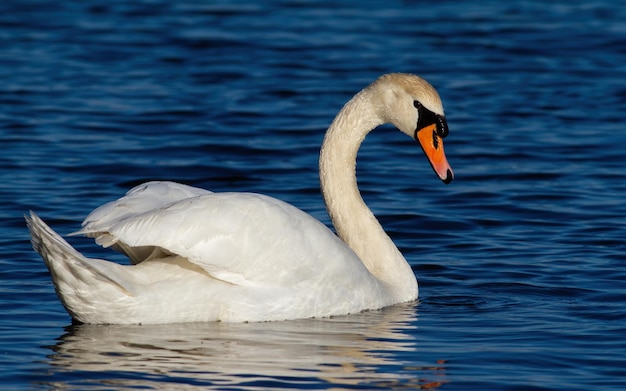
(432, 144)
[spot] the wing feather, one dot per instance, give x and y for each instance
(241, 238)
(142, 198)
(149, 196)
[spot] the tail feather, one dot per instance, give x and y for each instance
(46, 242)
(75, 276)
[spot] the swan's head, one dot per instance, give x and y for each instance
(412, 105)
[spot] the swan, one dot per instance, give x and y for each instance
(200, 256)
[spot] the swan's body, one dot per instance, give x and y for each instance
(203, 256)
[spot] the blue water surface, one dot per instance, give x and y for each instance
(521, 260)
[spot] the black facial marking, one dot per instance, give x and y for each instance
(426, 117)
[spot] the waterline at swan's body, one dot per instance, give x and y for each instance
(203, 256)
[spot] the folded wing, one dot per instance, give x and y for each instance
(240, 238)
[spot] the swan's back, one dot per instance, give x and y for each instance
(223, 233)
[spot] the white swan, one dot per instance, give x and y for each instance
(203, 256)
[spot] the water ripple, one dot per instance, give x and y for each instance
(520, 260)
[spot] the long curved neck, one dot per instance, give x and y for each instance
(354, 222)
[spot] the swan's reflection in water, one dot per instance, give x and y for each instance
(374, 349)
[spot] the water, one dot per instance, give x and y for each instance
(521, 260)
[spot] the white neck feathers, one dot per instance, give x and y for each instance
(353, 220)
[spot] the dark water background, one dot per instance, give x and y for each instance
(521, 260)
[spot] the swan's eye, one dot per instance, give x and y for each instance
(426, 117)
(442, 126)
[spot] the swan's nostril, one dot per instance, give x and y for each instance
(435, 140)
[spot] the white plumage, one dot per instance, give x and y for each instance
(203, 256)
